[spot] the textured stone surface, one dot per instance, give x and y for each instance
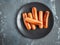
(9, 34)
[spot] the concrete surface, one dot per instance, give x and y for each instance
(8, 32)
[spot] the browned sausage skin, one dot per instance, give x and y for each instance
(40, 17)
(33, 21)
(32, 25)
(34, 13)
(46, 16)
(28, 26)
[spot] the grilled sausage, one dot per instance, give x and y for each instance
(28, 26)
(32, 25)
(45, 19)
(40, 17)
(34, 13)
(32, 21)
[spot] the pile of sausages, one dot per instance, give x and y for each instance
(33, 19)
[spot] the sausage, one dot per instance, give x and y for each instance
(32, 25)
(40, 18)
(34, 13)
(28, 26)
(45, 19)
(33, 21)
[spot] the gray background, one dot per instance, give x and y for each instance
(8, 32)
(57, 2)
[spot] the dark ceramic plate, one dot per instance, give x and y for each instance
(37, 33)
